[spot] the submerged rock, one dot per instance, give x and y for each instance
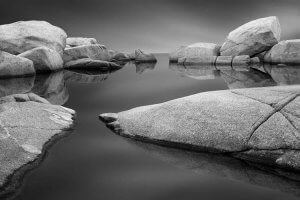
(12, 66)
(141, 56)
(94, 51)
(28, 125)
(252, 38)
(178, 53)
(260, 125)
(22, 36)
(87, 63)
(287, 51)
(44, 59)
(79, 41)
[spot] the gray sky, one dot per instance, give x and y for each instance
(156, 26)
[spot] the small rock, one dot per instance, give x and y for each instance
(252, 38)
(79, 41)
(12, 66)
(178, 53)
(22, 36)
(44, 59)
(94, 51)
(141, 56)
(287, 51)
(87, 63)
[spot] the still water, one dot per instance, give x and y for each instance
(93, 163)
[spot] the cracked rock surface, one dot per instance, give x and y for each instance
(256, 124)
(27, 123)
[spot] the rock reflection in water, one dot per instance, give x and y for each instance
(83, 76)
(225, 167)
(141, 67)
(284, 74)
(16, 85)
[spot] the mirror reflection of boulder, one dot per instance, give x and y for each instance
(83, 76)
(284, 74)
(51, 87)
(19, 85)
(141, 67)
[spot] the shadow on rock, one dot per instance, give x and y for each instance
(225, 167)
(284, 74)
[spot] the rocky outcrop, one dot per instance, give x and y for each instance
(141, 56)
(87, 63)
(22, 36)
(80, 41)
(12, 66)
(252, 38)
(94, 51)
(28, 124)
(178, 53)
(287, 51)
(259, 125)
(44, 59)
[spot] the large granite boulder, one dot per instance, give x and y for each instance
(201, 53)
(142, 56)
(287, 51)
(94, 51)
(79, 41)
(44, 59)
(178, 53)
(29, 125)
(284, 74)
(87, 63)
(22, 36)
(252, 38)
(259, 125)
(12, 66)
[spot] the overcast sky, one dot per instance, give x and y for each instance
(156, 26)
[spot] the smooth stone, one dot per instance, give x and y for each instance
(87, 63)
(198, 72)
(118, 56)
(44, 59)
(85, 76)
(141, 56)
(28, 127)
(252, 38)
(13, 66)
(246, 79)
(287, 51)
(241, 123)
(94, 51)
(178, 53)
(202, 50)
(22, 36)
(52, 87)
(223, 61)
(284, 74)
(205, 60)
(80, 41)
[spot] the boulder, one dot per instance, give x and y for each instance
(206, 60)
(243, 60)
(178, 53)
(80, 41)
(29, 126)
(223, 61)
(258, 125)
(44, 59)
(94, 51)
(287, 51)
(118, 56)
(87, 63)
(141, 56)
(252, 38)
(12, 66)
(22, 36)
(202, 50)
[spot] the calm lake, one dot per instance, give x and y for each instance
(93, 163)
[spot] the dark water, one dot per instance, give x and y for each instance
(93, 163)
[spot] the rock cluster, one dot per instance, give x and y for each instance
(257, 39)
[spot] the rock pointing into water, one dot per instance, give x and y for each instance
(28, 125)
(287, 51)
(22, 36)
(44, 59)
(12, 66)
(260, 125)
(79, 41)
(141, 56)
(252, 38)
